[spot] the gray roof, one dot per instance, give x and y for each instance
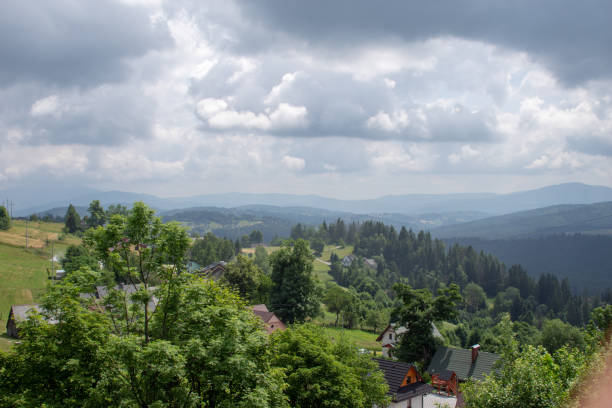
(20, 312)
(460, 361)
(395, 372)
(129, 289)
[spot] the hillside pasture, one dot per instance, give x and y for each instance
(23, 272)
(362, 339)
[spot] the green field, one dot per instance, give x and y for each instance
(23, 273)
(362, 339)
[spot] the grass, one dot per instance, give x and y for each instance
(270, 249)
(341, 252)
(362, 339)
(23, 272)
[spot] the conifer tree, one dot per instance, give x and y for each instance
(73, 220)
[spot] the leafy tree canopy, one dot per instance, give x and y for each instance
(5, 219)
(325, 374)
(419, 309)
(248, 280)
(97, 216)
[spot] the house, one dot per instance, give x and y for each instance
(406, 387)
(348, 260)
(214, 271)
(19, 314)
(370, 263)
(193, 267)
(466, 364)
(271, 322)
(59, 274)
(390, 337)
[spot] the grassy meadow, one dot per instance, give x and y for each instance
(362, 339)
(23, 272)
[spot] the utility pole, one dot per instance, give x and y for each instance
(52, 257)
(12, 208)
(27, 222)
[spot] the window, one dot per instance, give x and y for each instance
(271, 326)
(390, 336)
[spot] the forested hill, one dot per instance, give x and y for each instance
(275, 221)
(560, 219)
(584, 259)
(426, 262)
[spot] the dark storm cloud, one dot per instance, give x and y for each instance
(571, 38)
(70, 42)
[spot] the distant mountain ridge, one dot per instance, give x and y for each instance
(560, 219)
(410, 204)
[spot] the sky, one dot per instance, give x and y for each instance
(348, 99)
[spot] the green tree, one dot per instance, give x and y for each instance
(294, 296)
(376, 319)
(256, 237)
(417, 312)
(140, 249)
(5, 219)
(116, 209)
(97, 216)
(211, 248)
(325, 374)
(76, 257)
(72, 220)
(336, 300)
(317, 244)
(261, 260)
(247, 279)
(199, 345)
(531, 378)
(556, 334)
(474, 297)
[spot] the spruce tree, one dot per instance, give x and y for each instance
(73, 220)
(97, 217)
(294, 295)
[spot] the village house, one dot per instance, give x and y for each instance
(213, 271)
(370, 263)
(390, 337)
(406, 387)
(19, 314)
(271, 322)
(348, 260)
(464, 364)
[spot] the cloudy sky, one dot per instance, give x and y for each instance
(348, 99)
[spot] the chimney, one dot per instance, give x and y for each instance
(475, 349)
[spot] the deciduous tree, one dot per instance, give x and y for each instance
(418, 311)
(5, 219)
(325, 374)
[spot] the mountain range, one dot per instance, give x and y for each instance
(559, 219)
(29, 200)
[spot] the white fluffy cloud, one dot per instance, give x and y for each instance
(44, 106)
(293, 163)
(218, 115)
